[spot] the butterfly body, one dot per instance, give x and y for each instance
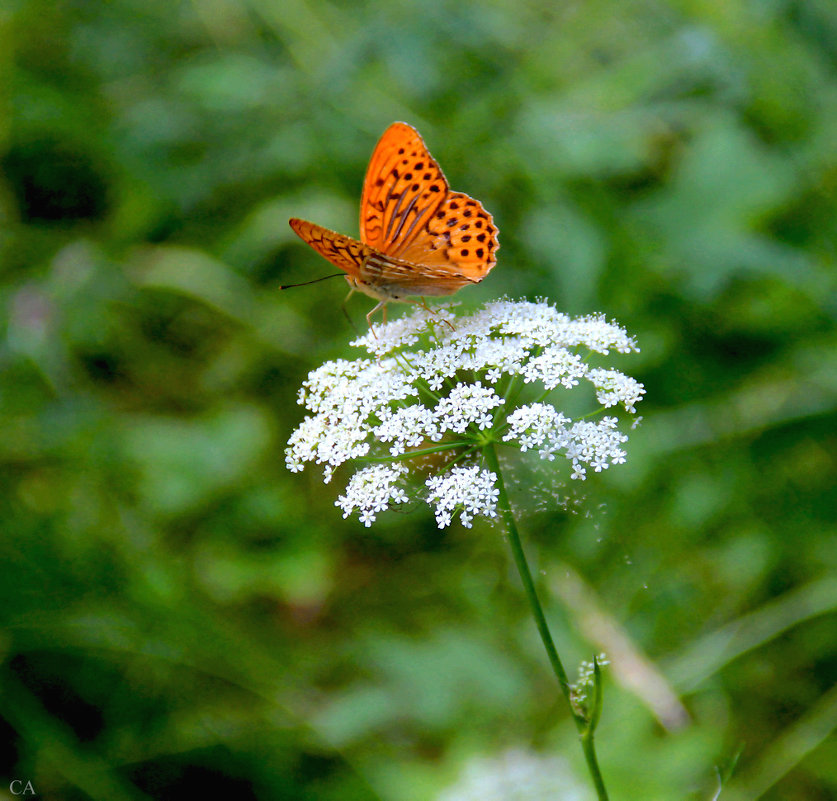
(377, 274)
(417, 237)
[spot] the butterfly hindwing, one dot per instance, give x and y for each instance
(399, 279)
(460, 234)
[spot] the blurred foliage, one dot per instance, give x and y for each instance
(180, 615)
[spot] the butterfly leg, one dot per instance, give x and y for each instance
(423, 303)
(381, 305)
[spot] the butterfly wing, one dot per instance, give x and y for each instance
(460, 237)
(404, 187)
(397, 280)
(342, 251)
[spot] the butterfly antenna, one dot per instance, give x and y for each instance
(346, 311)
(305, 283)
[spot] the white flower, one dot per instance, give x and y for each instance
(554, 366)
(467, 404)
(469, 488)
(327, 440)
(516, 775)
(407, 427)
(536, 425)
(613, 387)
(371, 490)
(438, 389)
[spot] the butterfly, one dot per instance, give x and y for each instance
(417, 237)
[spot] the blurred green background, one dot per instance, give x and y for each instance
(181, 616)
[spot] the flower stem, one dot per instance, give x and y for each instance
(585, 731)
(407, 455)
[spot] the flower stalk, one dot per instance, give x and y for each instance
(586, 726)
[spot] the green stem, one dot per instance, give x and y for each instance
(445, 446)
(585, 731)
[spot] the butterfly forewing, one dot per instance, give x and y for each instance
(342, 251)
(403, 188)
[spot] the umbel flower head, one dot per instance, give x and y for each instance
(436, 390)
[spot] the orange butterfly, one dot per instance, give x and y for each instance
(416, 236)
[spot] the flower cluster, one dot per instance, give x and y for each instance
(437, 384)
(469, 488)
(579, 692)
